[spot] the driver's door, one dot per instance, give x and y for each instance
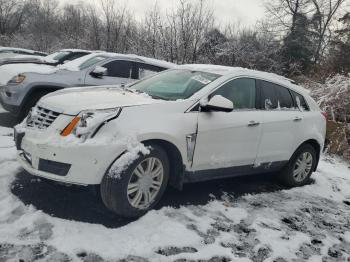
(118, 72)
(229, 139)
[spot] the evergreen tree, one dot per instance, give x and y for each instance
(340, 48)
(297, 52)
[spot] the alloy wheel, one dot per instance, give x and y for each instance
(145, 183)
(302, 166)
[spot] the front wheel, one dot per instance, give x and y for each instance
(139, 187)
(300, 166)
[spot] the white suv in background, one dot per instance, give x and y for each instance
(192, 123)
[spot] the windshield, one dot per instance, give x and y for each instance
(175, 84)
(91, 62)
(56, 56)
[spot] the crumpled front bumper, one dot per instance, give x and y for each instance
(46, 154)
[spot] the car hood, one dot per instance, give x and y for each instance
(71, 101)
(8, 71)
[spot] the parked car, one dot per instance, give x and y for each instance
(23, 91)
(189, 124)
(54, 59)
(9, 52)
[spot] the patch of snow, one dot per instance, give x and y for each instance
(134, 149)
(306, 223)
(100, 70)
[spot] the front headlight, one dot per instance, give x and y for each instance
(17, 79)
(87, 123)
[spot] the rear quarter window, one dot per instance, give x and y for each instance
(299, 101)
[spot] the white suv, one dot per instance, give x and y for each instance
(193, 123)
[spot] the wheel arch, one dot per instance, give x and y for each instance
(37, 89)
(316, 145)
(177, 168)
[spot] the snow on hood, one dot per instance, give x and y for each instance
(7, 72)
(72, 102)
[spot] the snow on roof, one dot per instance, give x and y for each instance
(152, 61)
(75, 64)
(75, 50)
(148, 60)
(227, 70)
(16, 49)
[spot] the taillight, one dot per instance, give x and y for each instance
(325, 115)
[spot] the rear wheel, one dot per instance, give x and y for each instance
(140, 187)
(300, 166)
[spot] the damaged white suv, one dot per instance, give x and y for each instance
(193, 123)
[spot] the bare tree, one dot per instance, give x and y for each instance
(324, 14)
(95, 28)
(114, 18)
(12, 14)
(73, 25)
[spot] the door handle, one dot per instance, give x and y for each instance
(253, 123)
(297, 118)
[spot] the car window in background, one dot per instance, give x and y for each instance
(56, 56)
(91, 62)
(241, 92)
(75, 56)
(175, 84)
(119, 68)
(22, 52)
(275, 97)
(145, 70)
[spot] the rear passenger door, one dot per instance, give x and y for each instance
(118, 72)
(281, 123)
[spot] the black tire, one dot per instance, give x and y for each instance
(287, 176)
(114, 190)
(31, 102)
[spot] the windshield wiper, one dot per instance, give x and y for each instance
(158, 97)
(132, 90)
(137, 91)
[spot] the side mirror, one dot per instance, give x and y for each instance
(217, 103)
(98, 72)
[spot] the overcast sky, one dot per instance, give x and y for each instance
(226, 11)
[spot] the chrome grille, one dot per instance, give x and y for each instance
(41, 118)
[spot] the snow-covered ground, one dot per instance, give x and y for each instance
(308, 223)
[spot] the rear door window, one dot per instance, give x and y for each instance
(274, 96)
